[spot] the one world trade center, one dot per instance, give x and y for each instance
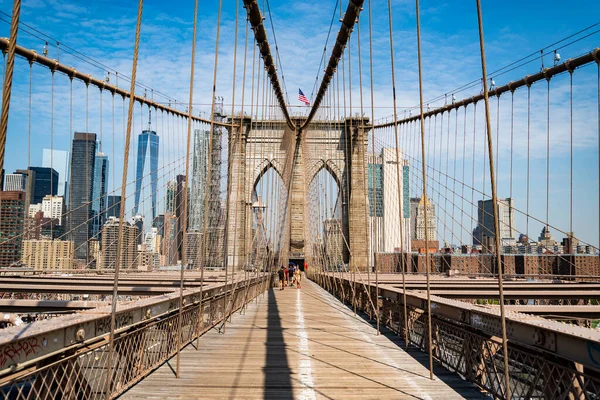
(147, 138)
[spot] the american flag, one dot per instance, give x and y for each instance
(303, 98)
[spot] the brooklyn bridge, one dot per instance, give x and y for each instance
(179, 219)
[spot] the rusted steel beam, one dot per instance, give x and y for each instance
(569, 341)
(72, 73)
(20, 347)
(532, 287)
(260, 34)
(569, 65)
(549, 311)
(36, 281)
(342, 39)
(83, 289)
(513, 294)
(28, 306)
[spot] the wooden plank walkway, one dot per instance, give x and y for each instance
(300, 344)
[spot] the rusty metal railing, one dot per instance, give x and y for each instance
(80, 371)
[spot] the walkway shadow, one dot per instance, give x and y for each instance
(277, 373)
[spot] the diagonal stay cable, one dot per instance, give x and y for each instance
(343, 37)
(256, 21)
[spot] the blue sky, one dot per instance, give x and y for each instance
(104, 30)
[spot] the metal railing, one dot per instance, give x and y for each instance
(536, 371)
(80, 371)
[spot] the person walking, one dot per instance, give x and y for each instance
(298, 278)
(292, 276)
(281, 274)
(286, 274)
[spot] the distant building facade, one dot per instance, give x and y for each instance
(48, 254)
(113, 206)
(148, 143)
(199, 173)
(389, 202)
(100, 186)
(59, 161)
(83, 153)
(54, 207)
(44, 183)
(484, 234)
(12, 218)
(334, 241)
(418, 215)
(129, 246)
(15, 182)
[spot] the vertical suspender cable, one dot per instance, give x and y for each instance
(494, 201)
(401, 227)
(528, 163)
(425, 201)
(547, 158)
(111, 340)
(229, 177)
(512, 137)
(52, 151)
(571, 156)
(208, 192)
(185, 194)
(240, 139)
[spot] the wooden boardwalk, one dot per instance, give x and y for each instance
(300, 344)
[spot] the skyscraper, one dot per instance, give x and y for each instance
(83, 154)
(396, 212)
(199, 172)
(110, 239)
(485, 222)
(99, 192)
(113, 208)
(48, 254)
(159, 223)
(138, 222)
(334, 241)
(179, 213)
(147, 137)
(15, 182)
(420, 220)
(170, 198)
(45, 182)
(54, 207)
(59, 161)
(29, 185)
(375, 188)
(12, 217)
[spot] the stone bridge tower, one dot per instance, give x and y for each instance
(297, 157)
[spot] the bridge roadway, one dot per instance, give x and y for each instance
(300, 344)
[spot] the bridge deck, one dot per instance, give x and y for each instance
(300, 344)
